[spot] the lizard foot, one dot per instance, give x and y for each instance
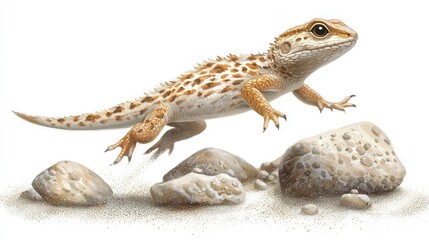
(321, 104)
(179, 132)
(273, 115)
(160, 147)
(127, 144)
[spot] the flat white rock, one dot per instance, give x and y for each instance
(69, 183)
(194, 188)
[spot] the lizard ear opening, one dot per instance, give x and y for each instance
(285, 47)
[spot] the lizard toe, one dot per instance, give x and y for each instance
(127, 145)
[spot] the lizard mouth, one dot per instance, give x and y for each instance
(308, 50)
(339, 45)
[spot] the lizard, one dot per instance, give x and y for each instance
(222, 87)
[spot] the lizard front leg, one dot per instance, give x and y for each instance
(251, 91)
(309, 96)
(179, 132)
(142, 132)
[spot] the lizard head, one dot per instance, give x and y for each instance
(302, 49)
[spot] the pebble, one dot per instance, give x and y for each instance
(355, 201)
(262, 175)
(310, 209)
(354, 191)
(260, 185)
(194, 188)
(269, 171)
(271, 177)
(213, 161)
(362, 158)
(31, 194)
(70, 184)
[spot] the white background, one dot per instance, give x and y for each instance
(70, 57)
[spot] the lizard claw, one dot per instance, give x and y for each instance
(127, 144)
(340, 106)
(160, 147)
(273, 115)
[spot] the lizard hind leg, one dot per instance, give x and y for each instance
(179, 132)
(143, 132)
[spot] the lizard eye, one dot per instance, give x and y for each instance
(319, 30)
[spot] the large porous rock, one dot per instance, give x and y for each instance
(213, 161)
(69, 183)
(196, 188)
(359, 156)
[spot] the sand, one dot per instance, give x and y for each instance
(132, 213)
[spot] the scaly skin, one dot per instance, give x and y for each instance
(222, 87)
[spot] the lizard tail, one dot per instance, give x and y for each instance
(120, 116)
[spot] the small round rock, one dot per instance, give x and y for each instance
(356, 201)
(354, 191)
(271, 177)
(260, 185)
(309, 209)
(262, 174)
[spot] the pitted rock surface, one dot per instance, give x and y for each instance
(213, 161)
(196, 188)
(69, 183)
(359, 156)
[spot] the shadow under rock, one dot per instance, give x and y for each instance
(117, 207)
(139, 207)
(122, 208)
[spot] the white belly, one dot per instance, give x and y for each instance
(215, 107)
